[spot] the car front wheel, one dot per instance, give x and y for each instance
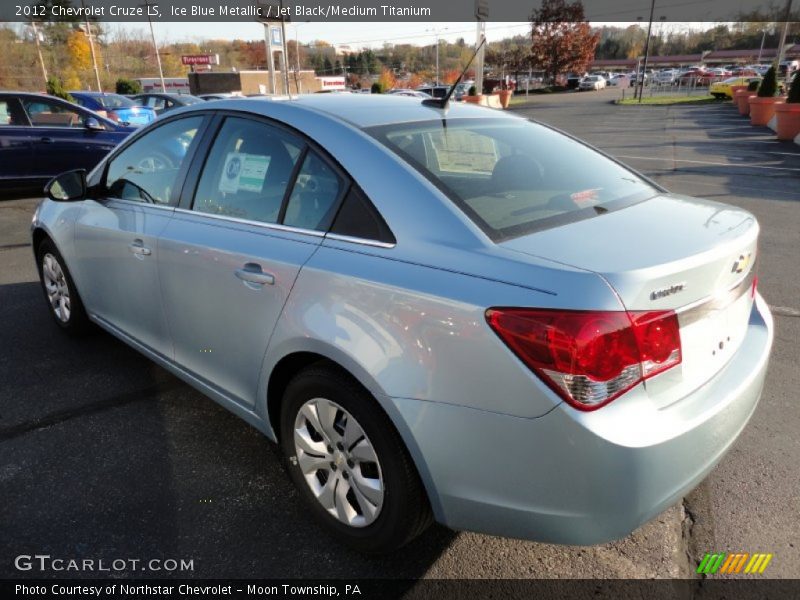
(59, 290)
(349, 463)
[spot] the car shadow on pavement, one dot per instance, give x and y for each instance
(107, 456)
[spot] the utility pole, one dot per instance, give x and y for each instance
(761, 49)
(481, 16)
(39, 50)
(437, 32)
(91, 48)
(647, 49)
(147, 6)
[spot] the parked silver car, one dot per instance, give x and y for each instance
(453, 314)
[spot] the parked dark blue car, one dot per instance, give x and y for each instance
(116, 107)
(42, 136)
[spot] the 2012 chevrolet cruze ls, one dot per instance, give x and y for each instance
(451, 314)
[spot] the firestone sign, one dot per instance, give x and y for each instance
(200, 59)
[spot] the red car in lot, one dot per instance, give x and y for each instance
(699, 77)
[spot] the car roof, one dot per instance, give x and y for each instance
(361, 110)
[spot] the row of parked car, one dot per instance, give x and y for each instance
(41, 135)
(697, 75)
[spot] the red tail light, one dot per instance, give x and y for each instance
(589, 358)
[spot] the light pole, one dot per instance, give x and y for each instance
(39, 50)
(147, 6)
(647, 49)
(761, 49)
(296, 25)
(91, 48)
(782, 47)
(437, 32)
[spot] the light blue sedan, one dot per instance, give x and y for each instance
(439, 314)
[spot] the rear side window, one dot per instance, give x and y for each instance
(358, 218)
(313, 201)
(511, 176)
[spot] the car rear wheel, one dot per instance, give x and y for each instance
(349, 463)
(59, 290)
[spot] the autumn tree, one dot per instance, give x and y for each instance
(561, 38)
(449, 76)
(387, 80)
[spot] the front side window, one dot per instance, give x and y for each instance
(10, 113)
(248, 171)
(147, 170)
(44, 113)
(511, 176)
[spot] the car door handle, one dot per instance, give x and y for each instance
(46, 140)
(139, 250)
(253, 277)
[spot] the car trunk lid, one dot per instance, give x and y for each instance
(670, 252)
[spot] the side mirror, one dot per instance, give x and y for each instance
(67, 187)
(93, 124)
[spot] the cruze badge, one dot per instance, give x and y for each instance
(741, 263)
(667, 291)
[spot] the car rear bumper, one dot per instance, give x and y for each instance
(582, 478)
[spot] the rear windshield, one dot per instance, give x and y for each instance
(513, 177)
(114, 101)
(187, 99)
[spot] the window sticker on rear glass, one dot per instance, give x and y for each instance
(463, 151)
(245, 172)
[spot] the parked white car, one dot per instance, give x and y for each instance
(619, 80)
(667, 76)
(592, 82)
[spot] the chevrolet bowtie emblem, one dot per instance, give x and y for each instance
(741, 263)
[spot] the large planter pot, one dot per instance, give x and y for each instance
(788, 116)
(473, 99)
(742, 99)
(734, 89)
(762, 109)
(505, 97)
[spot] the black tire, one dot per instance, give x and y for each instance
(719, 96)
(76, 322)
(405, 512)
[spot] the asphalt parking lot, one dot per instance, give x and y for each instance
(105, 455)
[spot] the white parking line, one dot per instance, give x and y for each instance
(703, 162)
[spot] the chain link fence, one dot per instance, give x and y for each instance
(686, 86)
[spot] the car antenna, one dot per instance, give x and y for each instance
(444, 102)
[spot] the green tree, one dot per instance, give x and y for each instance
(56, 88)
(769, 85)
(128, 86)
(794, 91)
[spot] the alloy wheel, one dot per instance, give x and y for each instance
(338, 462)
(55, 284)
